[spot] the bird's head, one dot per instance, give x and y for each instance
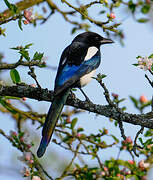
(92, 39)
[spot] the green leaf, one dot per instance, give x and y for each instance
(12, 7)
(143, 20)
(148, 133)
(141, 141)
(42, 65)
(73, 89)
(132, 6)
(38, 56)
(123, 108)
(11, 97)
(102, 12)
(80, 129)
(135, 101)
(20, 23)
(100, 77)
(148, 142)
(151, 56)
(3, 103)
(67, 138)
(73, 30)
(139, 57)
(145, 9)
(74, 121)
(7, 4)
(15, 76)
(135, 64)
(25, 54)
(152, 67)
(117, 4)
(16, 48)
(132, 177)
(115, 138)
(121, 100)
(28, 46)
(2, 31)
(103, 76)
(145, 105)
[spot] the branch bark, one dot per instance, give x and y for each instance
(39, 94)
(22, 5)
(5, 66)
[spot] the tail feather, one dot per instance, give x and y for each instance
(42, 147)
(51, 120)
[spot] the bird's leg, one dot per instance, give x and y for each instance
(87, 99)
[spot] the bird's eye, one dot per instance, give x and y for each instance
(97, 38)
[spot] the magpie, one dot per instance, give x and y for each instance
(76, 68)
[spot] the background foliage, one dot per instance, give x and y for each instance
(128, 157)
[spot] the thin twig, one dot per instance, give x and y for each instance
(151, 71)
(37, 165)
(70, 164)
(151, 83)
(135, 141)
(120, 123)
(14, 18)
(40, 168)
(99, 23)
(107, 96)
(33, 75)
(70, 149)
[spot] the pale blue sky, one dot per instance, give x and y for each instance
(122, 78)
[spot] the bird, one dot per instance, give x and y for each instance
(77, 65)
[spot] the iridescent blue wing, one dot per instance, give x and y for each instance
(70, 74)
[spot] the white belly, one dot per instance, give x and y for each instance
(87, 78)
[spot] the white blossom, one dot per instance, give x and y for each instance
(26, 158)
(36, 178)
(145, 63)
(26, 172)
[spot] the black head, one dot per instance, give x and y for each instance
(92, 39)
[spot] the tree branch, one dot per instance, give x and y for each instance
(151, 83)
(23, 63)
(145, 120)
(22, 5)
(98, 23)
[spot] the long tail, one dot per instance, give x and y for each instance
(51, 120)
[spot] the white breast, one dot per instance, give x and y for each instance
(86, 78)
(91, 52)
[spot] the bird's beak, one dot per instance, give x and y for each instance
(106, 41)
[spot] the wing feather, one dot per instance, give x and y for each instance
(71, 74)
